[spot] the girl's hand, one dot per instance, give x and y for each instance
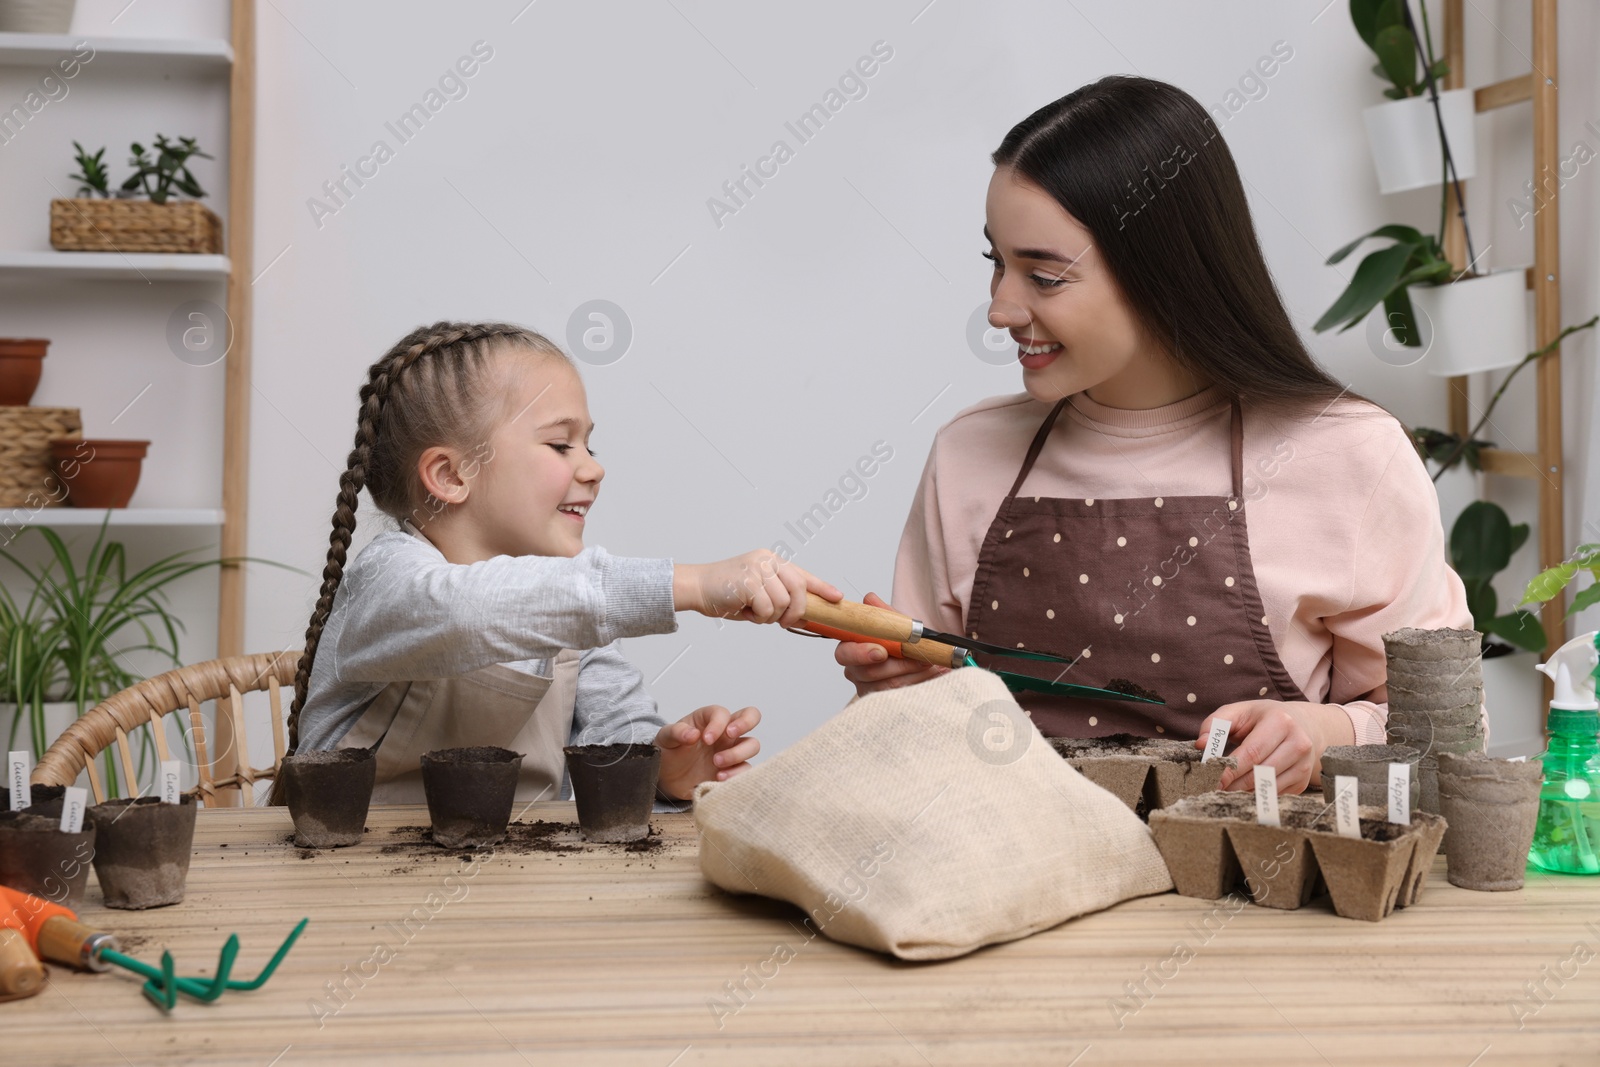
(1287, 735)
(708, 744)
(870, 667)
(755, 587)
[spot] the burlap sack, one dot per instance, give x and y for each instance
(926, 822)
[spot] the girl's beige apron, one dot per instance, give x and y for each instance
(1159, 592)
(492, 706)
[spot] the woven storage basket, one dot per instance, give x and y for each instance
(26, 479)
(133, 226)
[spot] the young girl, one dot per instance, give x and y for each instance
(1102, 513)
(481, 619)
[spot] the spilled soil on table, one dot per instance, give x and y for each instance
(412, 844)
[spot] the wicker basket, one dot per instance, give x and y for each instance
(26, 478)
(134, 226)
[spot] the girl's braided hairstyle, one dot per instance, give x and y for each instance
(434, 387)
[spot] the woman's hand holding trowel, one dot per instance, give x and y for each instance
(871, 667)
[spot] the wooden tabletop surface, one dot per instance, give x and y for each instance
(551, 950)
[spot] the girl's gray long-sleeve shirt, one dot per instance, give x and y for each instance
(404, 612)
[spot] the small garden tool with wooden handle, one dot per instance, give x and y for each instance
(906, 638)
(54, 933)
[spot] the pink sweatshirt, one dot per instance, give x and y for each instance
(1343, 520)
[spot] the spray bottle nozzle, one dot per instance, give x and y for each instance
(1572, 667)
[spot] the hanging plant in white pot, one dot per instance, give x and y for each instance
(1404, 132)
(1473, 323)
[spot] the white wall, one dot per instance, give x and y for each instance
(771, 352)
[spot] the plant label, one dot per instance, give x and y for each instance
(1267, 795)
(1400, 793)
(1217, 740)
(1346, 811)
(72, 809)
(169, 781)
(18, 771)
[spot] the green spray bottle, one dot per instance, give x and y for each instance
(1567, 837)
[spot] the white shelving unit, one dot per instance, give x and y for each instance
(16, 518)
(171, 53)
(223, 69)
(141, 266)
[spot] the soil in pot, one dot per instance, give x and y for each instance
(1171, 770)
(328, 793)
(21, 361)
(615, 788)
(470, 792)
(98, 473)
(1492, 807)
(36, 857)
(1192, 836)
(1369, 766)
(142, 850)
(1368, 877)
(1280, 869)
(37, 794)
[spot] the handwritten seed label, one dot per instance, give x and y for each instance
(169, 781)
(18, 772)
(1400, 793)
(1267, 795)
(1345, 812)
(72, 807)
(1217, 740)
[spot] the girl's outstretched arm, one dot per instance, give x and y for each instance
(404, 612)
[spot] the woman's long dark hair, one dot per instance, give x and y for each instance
(1143, 167)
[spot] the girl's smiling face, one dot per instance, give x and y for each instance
(1052, 290)
(526, 489)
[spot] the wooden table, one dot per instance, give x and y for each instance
(594, 954)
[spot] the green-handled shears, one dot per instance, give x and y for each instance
(906, 638)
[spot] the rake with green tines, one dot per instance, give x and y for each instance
(97, 951)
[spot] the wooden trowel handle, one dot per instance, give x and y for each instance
(849, 621)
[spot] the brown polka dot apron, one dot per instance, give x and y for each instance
(1159, 592)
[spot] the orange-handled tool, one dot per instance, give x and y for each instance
(56, 934)
(899, 634)
(53, 931)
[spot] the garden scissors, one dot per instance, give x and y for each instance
(906, 638)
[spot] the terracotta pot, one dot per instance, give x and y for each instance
(328, 793)
(21, 361)
(470, 792)
(36, 857)
(98, 473)
(1492, 807)
(142, 850)
(615, 789)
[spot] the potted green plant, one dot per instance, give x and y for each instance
(143, 215)
(63, 646)
(1461, 321)
(1403, 133)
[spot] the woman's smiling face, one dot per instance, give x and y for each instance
(1052, 290)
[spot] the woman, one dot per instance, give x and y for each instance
(1102, 513)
